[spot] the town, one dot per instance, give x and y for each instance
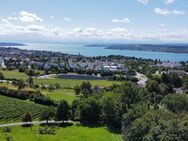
(59, 89)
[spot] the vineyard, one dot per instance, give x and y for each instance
(13, 109)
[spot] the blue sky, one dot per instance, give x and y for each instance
(95, 20)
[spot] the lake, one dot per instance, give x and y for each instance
(100, 51)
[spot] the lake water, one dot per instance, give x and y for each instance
(100, 51)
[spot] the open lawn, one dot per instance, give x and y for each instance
(70, 133)
(74, 82)
(66, 94)
(13, 74)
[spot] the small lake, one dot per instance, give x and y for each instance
(100, 51)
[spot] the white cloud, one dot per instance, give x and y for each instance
(166, 12)
(143, 1)
(67, 19)
(12, 18)
(119, 30)
(29, 17)
(6, 22)
(46, 32)
(169, 1)
(125, 20)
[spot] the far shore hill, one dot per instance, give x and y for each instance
(170, 48)
(6, 44)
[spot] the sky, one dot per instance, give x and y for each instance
(94, 20)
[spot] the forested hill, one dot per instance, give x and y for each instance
(171, 48)
(11, 44)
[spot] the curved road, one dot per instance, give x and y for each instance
(142, 79)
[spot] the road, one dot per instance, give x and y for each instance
(142, 79)
(31, 123)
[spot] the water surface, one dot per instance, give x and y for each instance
(100, 51)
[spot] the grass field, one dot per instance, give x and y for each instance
(70, 133)
(13, 87)
(13, 109)
(66, 94)
(10, 74)
(74, 82)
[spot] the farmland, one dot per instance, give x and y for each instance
(13, 109)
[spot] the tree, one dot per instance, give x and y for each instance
(90, 111)
(112, 111)
(129, 95)
(176, 103)
(21, 84)
(165, 89)
(151, 126)
(165, 78)
(176, 81)
(57, 86)
(185, 82)
(27, 118)
(30, 80)
(47, 115)
(77, 90)
(86, 89)
(62, 113)
(153, 86)
(75, 110)
(1, 76)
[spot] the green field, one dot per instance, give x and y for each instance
(13, 74)
(74, 82)
(66, 94)
(13, 109)
(70, 133)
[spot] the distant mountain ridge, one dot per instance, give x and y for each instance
(11, 44)
(171, 48)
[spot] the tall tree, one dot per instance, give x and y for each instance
(27, 118)
(77, 90)
(1, 76)
(90, 111)
(62, 113)
(86, 89)
(47, 115)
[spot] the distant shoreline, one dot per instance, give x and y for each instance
(6, 44)
(168, 48)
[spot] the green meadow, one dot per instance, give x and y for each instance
(69, 133)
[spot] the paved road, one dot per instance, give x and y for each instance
(29, 123)
(142, 79)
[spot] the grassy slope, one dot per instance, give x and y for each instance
(66, 94)
(71, 133)
(9, 74)
(74, 82)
